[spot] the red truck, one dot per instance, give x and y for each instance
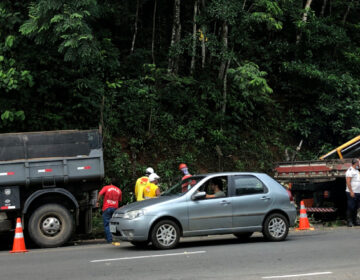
(320, 183)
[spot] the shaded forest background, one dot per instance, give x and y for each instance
(218, 84)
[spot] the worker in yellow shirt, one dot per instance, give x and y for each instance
(141, 183)
(152, 189)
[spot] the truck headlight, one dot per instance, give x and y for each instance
(134, 214)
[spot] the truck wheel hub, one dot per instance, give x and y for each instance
(51, 226)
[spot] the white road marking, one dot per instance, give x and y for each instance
(298, 275)
(149, 256)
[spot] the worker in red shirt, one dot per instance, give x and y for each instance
(112, 196)
(184, 169)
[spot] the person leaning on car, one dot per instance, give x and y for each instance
(352, 192)
(216, 186)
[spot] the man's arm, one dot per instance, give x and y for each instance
(348, 184)
(98, 199)
(157, 192)
(100, 194)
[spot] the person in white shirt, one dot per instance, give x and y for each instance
(352, 192)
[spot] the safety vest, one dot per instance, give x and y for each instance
(150, 191)
(139, 187)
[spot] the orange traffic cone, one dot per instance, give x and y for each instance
(19, 242)
(303, 222)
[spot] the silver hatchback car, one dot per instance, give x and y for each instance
(217, 203)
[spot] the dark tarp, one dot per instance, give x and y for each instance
(62, 143)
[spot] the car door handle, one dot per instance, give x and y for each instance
(265, 198)
(225, 202)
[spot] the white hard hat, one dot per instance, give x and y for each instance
(153, 177)
(149, 170)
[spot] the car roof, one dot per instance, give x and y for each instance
(228, 174)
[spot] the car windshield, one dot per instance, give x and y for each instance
(183, 186)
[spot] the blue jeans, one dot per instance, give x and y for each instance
(107, 214)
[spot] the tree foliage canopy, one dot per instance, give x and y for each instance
(220, 84)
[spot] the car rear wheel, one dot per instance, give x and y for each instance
(276, 227)
(243, 235)
(165, 235)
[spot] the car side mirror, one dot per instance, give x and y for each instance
(198, 195)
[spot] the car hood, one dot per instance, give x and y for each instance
(144, 203)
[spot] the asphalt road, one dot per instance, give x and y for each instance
(320, 254)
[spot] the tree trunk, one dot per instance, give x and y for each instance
(153, 34)
(347, 12)
(203, 53)
(135, 26)
(304, 18)
(178, 38)
(175, 37)
(307, 8)
(193, 52)
(224, 102)
(203, 47)
(225, 30)
(150, 121)
(323, 8)
(101, 125)
(244, 4)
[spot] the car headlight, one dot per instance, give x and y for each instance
(134, 214)
(118, 215)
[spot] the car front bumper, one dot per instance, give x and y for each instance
(130, 230)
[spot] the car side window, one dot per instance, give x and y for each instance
(245, 185)
(222, 189)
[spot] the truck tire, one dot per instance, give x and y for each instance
(50, 225)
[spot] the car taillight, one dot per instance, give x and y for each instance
(290, 196)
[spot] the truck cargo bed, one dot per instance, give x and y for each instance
(314, 169)
(50, 157)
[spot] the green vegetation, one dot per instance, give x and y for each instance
(218, 84)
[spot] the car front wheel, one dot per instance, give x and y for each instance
(276, 227)
(165, 235)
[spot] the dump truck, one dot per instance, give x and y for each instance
(320, 183)
(50, 179)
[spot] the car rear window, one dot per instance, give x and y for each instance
(248, 185)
